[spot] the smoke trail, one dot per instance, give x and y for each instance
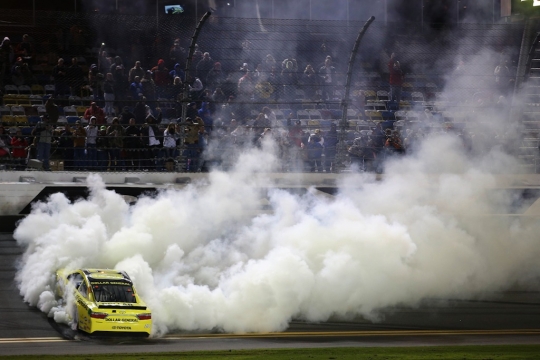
(202, 258)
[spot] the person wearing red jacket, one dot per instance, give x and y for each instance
(18, 149)
(96, 111)
(396, 79)
(161, 77)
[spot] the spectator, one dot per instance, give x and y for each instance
(136, 70)
(120, 80)
(18, 149)
(289, 79)
(314, 153)
(133, 144)
(115, 134)
(7, 55)
(177, 53)
(149, 87)
(152, 141)
(60, 81)
(331, 141)
(161, 77)
(192, 151)
(65, 145)
(96, 111)
(327, 73)
(17, 77)
(136, 89)
(79, 142)
(74, 77)
(215, 77)
(177, 72)
(310, 82)
(204, 66)
(195, 87)
(396, 79)
(270, 116)
(503, 78)
(108, 94)
(177, 89)
(126, 115)
(5, 143)
(43, 133)
(96, 82)
(170, 139)
(91, 144)
(26, 50)
(52, 110)
(141, 111)
(102, 145)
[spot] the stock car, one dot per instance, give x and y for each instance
(104, 302)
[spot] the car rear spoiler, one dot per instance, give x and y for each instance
(122, 307)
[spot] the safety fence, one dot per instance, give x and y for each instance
(295, 68)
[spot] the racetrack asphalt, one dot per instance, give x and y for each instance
(511, 317)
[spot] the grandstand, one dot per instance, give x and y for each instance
(448, 84)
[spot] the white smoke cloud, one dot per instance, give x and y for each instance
(202, 258)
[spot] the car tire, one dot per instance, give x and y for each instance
(75, 321)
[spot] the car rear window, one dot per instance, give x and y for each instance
(113, 292)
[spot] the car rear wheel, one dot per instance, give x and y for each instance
(75, 320)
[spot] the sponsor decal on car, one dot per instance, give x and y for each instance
(121, 327)
(121, 319)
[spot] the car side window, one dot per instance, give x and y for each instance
(83, 289)
(76, 279)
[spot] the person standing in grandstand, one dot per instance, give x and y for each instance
(204, 66)
(120, 80)
(91, 137)
(79, 142)
(18, 149)
(7, 55)
(75, 77)
(96, 111)
(43, 133)
(59, 73)
(161, 77)
(310, 82)
(396, 79)
(108, 94)
(327, 73)
(137, 70)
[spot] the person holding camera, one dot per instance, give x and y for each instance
(43, 134)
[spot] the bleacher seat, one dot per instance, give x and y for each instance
(81, 110)
(417, 96)
(8, 119)
(352, 114)
(279, 114)
(314, 114)
(23, 99)
(25, 89)
(41, 110)
(27, 130)
(382, 95)
(313, 124)
(374, 115)
(10, 99)
(5, 110)
(21, 120)
(37, 89)
(72, 119)
(36, 99)
(11, 89)
(302, 114)
(70, 111)
(49, 89)
(75, 100)
(17, 110)
(32, 120)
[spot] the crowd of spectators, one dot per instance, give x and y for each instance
(135, 117)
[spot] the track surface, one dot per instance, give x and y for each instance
(511, 317)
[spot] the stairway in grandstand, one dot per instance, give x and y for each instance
(530, 93)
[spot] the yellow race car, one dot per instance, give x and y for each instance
(104, 302)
